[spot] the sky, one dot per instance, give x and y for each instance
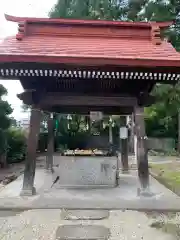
(21, 8)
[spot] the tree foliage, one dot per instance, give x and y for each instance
(5, 120)
(16, 145)
(162, 117)
(89, 9)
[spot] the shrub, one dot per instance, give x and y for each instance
(16, 142)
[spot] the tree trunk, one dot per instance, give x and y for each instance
(3, 160)
(3, 155)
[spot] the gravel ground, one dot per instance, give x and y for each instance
(43, 224)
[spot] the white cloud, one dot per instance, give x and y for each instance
(23, 8)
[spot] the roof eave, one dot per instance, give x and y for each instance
(87, 22)
(90, 61)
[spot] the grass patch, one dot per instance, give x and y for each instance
(170, 228)
(167, 222)
(162, 153)
(168, 174)
(155, 215)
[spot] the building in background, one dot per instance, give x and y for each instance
(24, 124)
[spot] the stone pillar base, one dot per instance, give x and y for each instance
(117, 177)
(117, 182)
(49, 170)
(144, 192)
(134, 165)
(28, 192)
(125, 171)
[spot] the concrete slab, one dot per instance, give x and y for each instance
(82, 232)
(123, 197)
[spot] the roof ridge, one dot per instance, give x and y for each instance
(87, 22)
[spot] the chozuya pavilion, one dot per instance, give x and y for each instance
(78, 66)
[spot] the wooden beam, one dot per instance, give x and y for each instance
(45, 100)
(70, 100)
(27, 96)
(31, 96)
(146, 100)
(86, 110)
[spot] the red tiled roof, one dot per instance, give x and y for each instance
(86, 47)
(59, 48)
(92, 50)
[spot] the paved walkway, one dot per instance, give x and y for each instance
(123, 197)
(51, 225)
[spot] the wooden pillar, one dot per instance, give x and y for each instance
(132, 134)
(178, 147)
(50, 146)
(118, 170)
(142, 153)
(134, 140)
(110, 138)
(124, 146)
(30, 163)
(110, 134)
(135, 149)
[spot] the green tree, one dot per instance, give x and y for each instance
(134, 8)
(5, 122)
(13, 122)
(89, 9)
(163, 117)
(16, 142)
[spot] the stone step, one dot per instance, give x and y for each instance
(80, 232)
(84, 214)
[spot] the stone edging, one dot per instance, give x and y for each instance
(163, 182)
